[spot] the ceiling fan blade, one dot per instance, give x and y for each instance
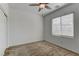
(34, 5)
(39, 9)
(57, 6)
(43, 3)
(47, 7)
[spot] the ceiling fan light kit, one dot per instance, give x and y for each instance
(41, 6)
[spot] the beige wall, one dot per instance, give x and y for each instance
(24, 27)
(68, 43)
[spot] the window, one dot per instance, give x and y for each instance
(56, 26)
(63, 25)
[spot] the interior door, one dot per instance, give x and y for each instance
(3, 32)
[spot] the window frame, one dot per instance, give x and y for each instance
(61, 29)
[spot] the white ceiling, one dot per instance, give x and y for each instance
(33, 9)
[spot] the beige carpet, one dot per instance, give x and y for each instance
(41, 48)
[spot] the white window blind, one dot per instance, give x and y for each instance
(56, 26)
(63, 25)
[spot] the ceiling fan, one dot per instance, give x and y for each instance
(41, 6)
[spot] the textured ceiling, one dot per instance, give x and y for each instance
(34, 9)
